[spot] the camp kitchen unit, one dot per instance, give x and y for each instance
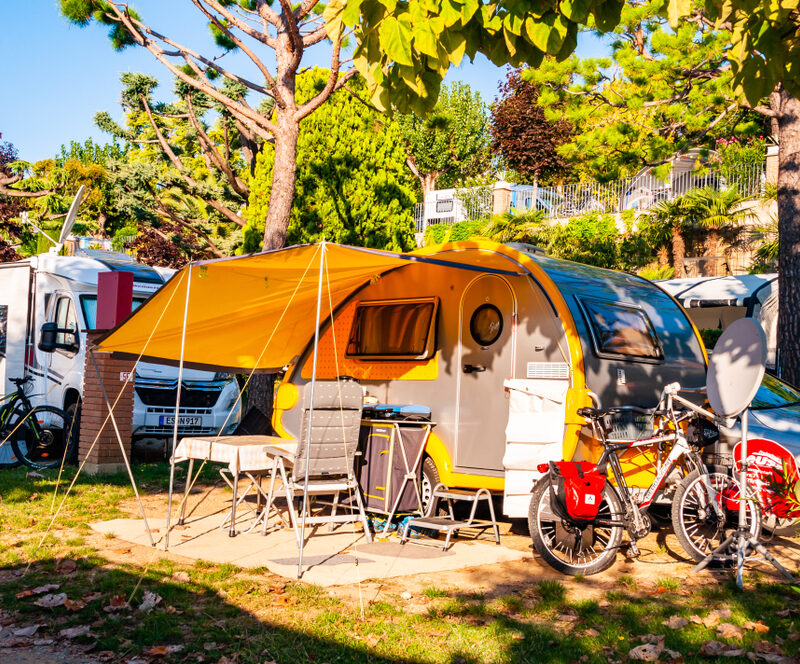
(63, 290)
(501, 344)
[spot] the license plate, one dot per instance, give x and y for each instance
(183, 421)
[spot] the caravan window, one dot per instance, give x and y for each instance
(89, 306)
(394, 329)
(619, 329)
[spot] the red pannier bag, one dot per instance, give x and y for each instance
(576, 489)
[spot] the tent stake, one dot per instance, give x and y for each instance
(177, 407)
(311, 409)
(121, 446)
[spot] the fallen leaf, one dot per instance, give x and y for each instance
(372, 640)
(116, 603)
(122, 550)
(181, 577)
(74, 632)
(729, 631)
(767, 647)
(33, 475)
(211, 645)
(675, 657)
(783, 613)
(24, 593)
(33, 497)
(163, 651)
(26, 631)
(713, 649)
(675, 622)
(757, 627)
(648, 652)
(43, 642)
(660, 590)
(736, 652)
(48, 587)
(149, 602)
(67, 566)
(591, 633)
(50, 601)
(74, 605)
(91, 597)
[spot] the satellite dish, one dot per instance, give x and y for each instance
(736, 367)
(72, 215)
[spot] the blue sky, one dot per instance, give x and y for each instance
(57, 76)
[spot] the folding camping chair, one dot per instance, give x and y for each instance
(327, 444)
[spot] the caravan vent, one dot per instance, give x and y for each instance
(551, 370)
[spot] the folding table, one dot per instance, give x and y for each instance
(251, 456)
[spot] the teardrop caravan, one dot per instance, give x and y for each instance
(502, 345)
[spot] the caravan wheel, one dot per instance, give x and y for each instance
(430, 478)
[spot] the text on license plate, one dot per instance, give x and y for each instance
(183, 421)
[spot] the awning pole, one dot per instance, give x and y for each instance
(177, 406)
(311, 408)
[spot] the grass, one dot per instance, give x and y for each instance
(251, 616)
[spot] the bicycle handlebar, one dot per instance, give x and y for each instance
(21, 381)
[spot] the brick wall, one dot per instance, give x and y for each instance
(105, 456)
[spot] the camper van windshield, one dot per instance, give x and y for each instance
(774, 393)
(89, 306)
(618, 329)
(393, 329)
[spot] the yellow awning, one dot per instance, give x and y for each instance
(249, 312)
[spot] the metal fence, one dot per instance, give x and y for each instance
(449, 206)
(637, 193)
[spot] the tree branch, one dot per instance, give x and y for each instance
(334, 83)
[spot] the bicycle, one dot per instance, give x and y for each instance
(37, 435)
(704, 507)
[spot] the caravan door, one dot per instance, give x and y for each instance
(486, 352)
(15, 286)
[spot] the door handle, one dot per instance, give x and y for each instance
(474, 368)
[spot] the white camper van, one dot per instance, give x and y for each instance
(63, 290)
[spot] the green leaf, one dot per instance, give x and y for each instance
(450, 12)
(395, 38)
(548, 33)
(351, 12)
(576, 10)
(607, 14)
(425, 39)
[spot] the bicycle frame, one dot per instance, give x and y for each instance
(680, 449)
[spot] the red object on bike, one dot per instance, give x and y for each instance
(576, 489)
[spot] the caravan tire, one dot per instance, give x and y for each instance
(73, 424)
(430, 478)
(598, 547)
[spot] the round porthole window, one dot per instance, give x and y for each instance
(486, 324)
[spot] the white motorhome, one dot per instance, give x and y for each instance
(63, 290)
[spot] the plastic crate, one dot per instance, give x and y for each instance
(629, 425)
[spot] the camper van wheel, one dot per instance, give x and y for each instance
(73, 413)
(430, 478)
(570, 549)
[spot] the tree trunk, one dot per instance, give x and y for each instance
(678, 251)
(284, 173)
(428, 183)
(663, 257)
(712, 249)
(787, 109)
(260, 393)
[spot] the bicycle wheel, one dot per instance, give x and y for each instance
(569, 549)
(39, 441)
(696, 524)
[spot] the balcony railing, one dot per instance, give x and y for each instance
(638, 193)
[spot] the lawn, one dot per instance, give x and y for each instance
(157, 609)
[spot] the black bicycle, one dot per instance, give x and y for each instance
(38, 436)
